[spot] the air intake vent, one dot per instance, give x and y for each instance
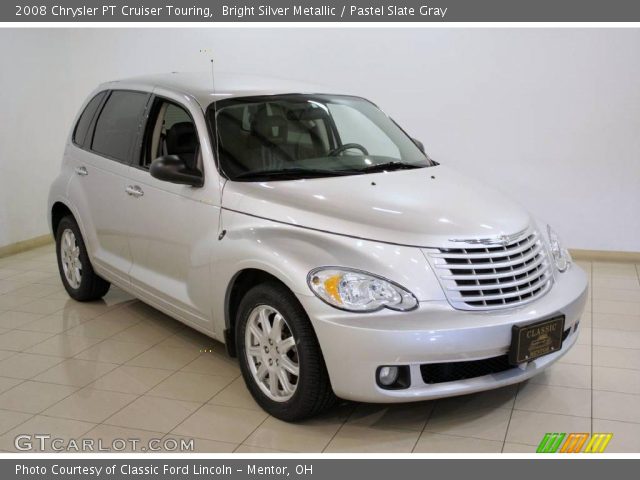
(454, 371)
(494, 276)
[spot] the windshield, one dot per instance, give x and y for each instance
(288, 137)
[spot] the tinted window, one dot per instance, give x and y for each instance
(117, 126)
(84, 122)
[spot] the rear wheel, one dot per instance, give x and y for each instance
(280, 357)
(76, 272)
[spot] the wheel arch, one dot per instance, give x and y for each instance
(239, 285)
(59, 210)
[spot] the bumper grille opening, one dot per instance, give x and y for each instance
(491, 277)
(450, 372)
(454, 371)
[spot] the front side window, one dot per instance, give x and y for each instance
(117, 126)
(303, 136)
(170, 131)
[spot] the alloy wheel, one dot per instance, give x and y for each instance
(70, 258)
(271, 352)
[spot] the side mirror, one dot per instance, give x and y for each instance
(419, 144)
(172, 168)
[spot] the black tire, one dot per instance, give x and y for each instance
(91, 287)
(313, 393)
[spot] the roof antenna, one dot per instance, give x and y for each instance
(215, 111)
(216, 136)
(215, 104)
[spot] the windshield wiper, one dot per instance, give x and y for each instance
(292, 172)
(388, 166)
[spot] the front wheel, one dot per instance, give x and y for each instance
(280, 357)
(76, 272)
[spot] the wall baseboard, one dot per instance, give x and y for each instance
(605, 255)
(25, 245)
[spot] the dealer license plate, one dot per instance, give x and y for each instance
(535, 340)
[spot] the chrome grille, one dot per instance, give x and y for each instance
(494, 276)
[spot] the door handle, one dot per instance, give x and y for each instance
(82, 171)
(134, 190)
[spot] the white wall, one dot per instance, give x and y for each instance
(549, 116)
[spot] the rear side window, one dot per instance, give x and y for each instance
(82, 127)
(117, 126)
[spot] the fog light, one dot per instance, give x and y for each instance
(387, 375)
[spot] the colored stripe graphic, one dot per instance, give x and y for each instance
(574, 442)
(550, 442)
(598, 442)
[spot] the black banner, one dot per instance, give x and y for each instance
(320, 11)
(315, 469)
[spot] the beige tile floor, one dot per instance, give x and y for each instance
(120, 369)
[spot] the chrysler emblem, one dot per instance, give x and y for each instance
(502, 239)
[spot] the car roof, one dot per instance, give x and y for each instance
(227, 85)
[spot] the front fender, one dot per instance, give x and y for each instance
(288, 253)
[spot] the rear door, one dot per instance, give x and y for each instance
(102, 162)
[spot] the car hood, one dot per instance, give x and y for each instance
(425, 207)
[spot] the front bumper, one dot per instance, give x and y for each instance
(355, 345)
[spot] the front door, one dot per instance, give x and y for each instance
(172, 228)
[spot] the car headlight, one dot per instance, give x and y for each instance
(561, 255)
(358, 291)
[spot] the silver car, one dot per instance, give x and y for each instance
(309, 233)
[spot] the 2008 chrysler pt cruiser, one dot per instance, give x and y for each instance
(314, 237)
